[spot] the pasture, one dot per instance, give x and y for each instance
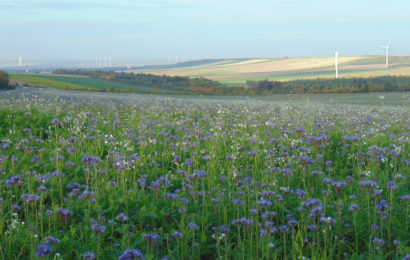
(125, 176)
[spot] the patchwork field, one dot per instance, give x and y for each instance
(233, 71)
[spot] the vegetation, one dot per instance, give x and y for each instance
(76, 83)
(345, 85)
(4, 80)
(153, 84)
(154, 177)
(108, 81)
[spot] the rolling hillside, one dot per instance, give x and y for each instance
(238, 71)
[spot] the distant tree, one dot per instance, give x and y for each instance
(4, 80)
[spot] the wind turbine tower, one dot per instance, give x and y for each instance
(337, 64)
(387, 52)
(20, 61)
(110, 62)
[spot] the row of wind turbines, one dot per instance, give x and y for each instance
(381, 46)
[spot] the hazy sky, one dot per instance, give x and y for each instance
(143, 29)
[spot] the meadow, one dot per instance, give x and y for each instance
(125, 176)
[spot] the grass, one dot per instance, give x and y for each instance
(281, 177)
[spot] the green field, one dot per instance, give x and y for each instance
(75, 83)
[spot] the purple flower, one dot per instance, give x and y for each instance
(300, 193)
(189, 163)
(312, 227)
(327, 220)
(368, 184)
(177, 234)
(268, 214)
(283, 228)
(317, 173)
(130, 254)
(192, 226)
(64, 215)
(378, 242)
(152, 238)
(405, 197)
(264, 203)
(267, 194)
(122, 217)
(30, 198)
(88, 256)
(43, 250)
(392, 185)
(142, 181)
(55, 121)
(243, 221)
(98, 229)
(353, 207)
(262, 232)
(51, 240)
(382, 206)
(177, 158)
(328, 164)
(292, 223)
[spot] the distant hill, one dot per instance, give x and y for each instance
(238, 71)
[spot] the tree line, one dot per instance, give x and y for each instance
(158, 84)
(322, 86)
(4, 80)
(184, 85)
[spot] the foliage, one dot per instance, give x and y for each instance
(154, 84)
(344, 85)
(4, 80)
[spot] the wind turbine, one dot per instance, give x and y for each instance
(387, 52)
(336, 64)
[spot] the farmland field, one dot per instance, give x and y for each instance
(107, 176)
(73, 83)
(233, 71)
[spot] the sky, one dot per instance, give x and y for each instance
(198, 29)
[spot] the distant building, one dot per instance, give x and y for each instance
(20, 61)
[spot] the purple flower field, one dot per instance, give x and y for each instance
(180, 178)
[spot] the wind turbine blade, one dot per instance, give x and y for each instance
(388, 44)
(381, 46)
